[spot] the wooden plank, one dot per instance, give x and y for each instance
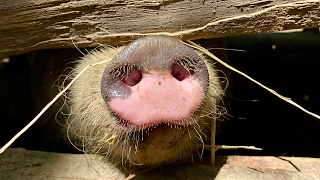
(24, 164)
(41, 24)
(261, 163)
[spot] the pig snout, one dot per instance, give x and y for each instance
(149, 105)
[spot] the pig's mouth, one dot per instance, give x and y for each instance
(161, 125)
(161, 128)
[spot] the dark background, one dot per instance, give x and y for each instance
(291, 69)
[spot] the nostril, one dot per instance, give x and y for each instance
(180, 73)
(133, 78)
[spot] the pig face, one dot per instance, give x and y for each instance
(152, 103)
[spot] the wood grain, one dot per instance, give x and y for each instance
(27, 25)
(28, 165)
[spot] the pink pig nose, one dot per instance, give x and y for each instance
(159, 97)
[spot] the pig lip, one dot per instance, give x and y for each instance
(160, 129)
(127, 127)
(130, 128)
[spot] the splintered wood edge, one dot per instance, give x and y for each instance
(27, 26)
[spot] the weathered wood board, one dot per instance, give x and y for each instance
(41, 24)
(23, 164)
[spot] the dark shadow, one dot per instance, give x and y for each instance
(289, 64)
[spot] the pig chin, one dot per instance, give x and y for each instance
(161, 144)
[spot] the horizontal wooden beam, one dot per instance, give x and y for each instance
(43, 24)
(23, 164)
